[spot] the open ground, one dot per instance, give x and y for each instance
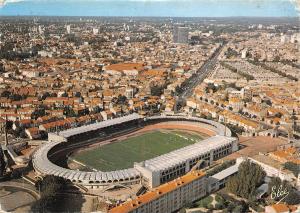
(135, 148)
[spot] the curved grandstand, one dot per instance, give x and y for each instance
(152, 172)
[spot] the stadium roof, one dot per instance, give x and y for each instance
(79, 130)
(180, 156)
(45, 166)
(220, 129)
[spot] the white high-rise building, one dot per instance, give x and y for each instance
(298, 37)
(68, 29)
(129, 92)
(126, 27)
(95, 31)
(282, 39)
(295, 38)
(285, 38)
(244, 53)
(40, 30)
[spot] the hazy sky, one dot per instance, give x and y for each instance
(178, 8)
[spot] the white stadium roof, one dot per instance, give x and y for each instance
(79, 130)
(180, 156)
(44, 165)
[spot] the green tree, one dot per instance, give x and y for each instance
(77, 94)
(50, 187)
(121, 99)
(2, 163)
(295, 168)
(45, 95)
(2, 68)
(293, 198)
(69, 112)
(6, 94)
(40, 112)
(233, 184)
(248, 178)
(237, 209)
(277, 185)
(178, 89)
(211, 87)
(15, 97)
(65, 95)
(156, 90)
(230, 207)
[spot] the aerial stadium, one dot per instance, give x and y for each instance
(134, 150)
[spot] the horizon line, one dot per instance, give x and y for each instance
(109, 16)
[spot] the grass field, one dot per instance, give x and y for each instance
(122, 155)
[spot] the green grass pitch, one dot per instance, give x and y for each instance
(123, 154)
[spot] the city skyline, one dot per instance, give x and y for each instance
(150, 8)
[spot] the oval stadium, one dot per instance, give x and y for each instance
(133, 150)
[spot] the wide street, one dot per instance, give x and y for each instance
(201, 74)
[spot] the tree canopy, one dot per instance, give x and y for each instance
(2, 163)
(156, 90)
(276, 188)
(293, 167)
(49, 187)
(40, 112)
(248, 178)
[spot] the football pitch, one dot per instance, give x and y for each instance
(122, 155)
